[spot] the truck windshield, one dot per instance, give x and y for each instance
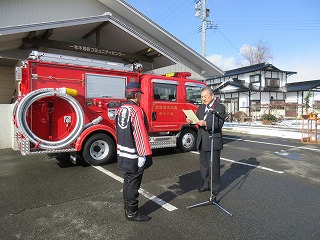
(193, 93)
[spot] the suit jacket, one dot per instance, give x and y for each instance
(204, 133)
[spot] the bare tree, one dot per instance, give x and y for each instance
(257, 54)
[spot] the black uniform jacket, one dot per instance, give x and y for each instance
(204, 133)
(133, 140)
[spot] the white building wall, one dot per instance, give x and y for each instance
(245, 77)
(291, 97)
(316, 96)
(300, 97)
(280, 96)
(263, 80)
(283, 79)
(265, 99)
(272, 95)
(268, 74)
(255, 96)
(5, 131)
(244, 103)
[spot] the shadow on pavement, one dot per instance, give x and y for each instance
(238, 172)
(191, 181)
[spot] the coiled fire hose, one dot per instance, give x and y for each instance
(20, 112)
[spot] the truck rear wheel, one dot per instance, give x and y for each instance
(99, 149)
(187, 140)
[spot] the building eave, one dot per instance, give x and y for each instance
(137, 18)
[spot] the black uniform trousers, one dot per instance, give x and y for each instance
(206, 171)
(131, 185)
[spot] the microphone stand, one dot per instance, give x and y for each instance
(212, 199)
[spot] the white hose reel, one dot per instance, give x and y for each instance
(20, 113)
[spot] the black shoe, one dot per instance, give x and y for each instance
(132, 214)
(215, 194)
(137, 216)
(203, 189)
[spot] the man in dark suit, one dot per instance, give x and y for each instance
(205, 116)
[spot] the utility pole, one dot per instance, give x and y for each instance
(202, 12)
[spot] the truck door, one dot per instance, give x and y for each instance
(165, 108)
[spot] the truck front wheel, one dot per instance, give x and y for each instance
(187, 140)
(99, 149)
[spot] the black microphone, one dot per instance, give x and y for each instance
(215, 112)
(218, 114)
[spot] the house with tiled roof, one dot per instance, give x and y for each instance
(263, 88)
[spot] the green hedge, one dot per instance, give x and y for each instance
(269, 117)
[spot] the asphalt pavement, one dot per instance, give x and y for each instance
(269, 184)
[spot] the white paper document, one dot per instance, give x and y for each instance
(191, 115)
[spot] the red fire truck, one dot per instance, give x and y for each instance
(68, 104)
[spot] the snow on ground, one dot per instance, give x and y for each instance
(287, 129)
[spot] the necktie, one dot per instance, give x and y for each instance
(206, 112)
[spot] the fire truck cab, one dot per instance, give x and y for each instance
(68, 104)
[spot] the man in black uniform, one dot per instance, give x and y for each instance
(133, 149)
(205, 116)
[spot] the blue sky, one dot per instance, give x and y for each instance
(290, 28)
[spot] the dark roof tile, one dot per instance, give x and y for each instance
(251, 68)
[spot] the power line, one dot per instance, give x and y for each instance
(270, 25)
(173, 11)
(177, 14)
(229, 42)
(162, 15)
(190, 34)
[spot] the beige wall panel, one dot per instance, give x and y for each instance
(6, 99)
(8, 70)
(35, 11)
(7, 84)
(5, 77)
(179, 67)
